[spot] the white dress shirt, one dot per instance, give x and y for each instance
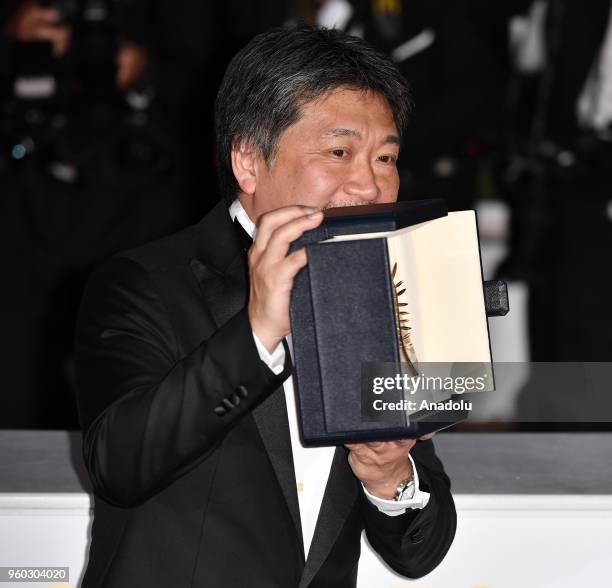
(312, 464)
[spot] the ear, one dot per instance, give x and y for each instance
(244, 166)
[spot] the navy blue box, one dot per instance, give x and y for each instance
(343, 320)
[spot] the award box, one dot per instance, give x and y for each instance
(388, 289)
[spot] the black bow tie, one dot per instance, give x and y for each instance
(243, 237)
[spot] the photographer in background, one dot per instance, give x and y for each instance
(88, 166)
(561, 177)
(559, 181)
(33, 22)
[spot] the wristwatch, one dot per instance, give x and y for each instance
(405, 490)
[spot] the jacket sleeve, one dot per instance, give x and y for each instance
(414, 543)
(148, 415)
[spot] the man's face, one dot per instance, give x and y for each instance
(341, 152)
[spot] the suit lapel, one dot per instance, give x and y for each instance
(271, 420)
(340, 495)
(221, 271)
(225, 294)
(220, 265)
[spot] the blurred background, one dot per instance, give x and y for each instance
(106, 143)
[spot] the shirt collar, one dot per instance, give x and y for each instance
(237, 212)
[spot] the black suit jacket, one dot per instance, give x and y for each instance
(187, 444)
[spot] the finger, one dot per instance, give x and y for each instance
(404, 443)
(61, 45)
(427, 437)
(383, 444)
(27, 22)
(46, 15)
(362, 456)
(51, 33)
(396, 448)
(292, 264)
(279, 276)
(375, 445)
(390, 451)
(387, 450)
(359, 449)
(282, 237)
(270, 221)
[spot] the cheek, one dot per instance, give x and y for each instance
(316, 184)
(389, 187)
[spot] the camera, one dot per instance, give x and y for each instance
(59, 107)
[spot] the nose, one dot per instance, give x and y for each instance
(361, 182)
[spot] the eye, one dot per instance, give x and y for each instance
(339, 153)
(387, 159)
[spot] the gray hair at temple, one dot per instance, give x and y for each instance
(268, 82)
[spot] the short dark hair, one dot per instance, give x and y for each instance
(279, 71)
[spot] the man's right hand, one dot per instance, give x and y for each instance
(34, 23)
(272, 271)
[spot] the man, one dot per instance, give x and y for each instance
(182, 352)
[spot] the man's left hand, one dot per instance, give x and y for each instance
(381, 466)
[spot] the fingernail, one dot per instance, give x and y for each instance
(314, 215)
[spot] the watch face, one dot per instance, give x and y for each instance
(405, 491)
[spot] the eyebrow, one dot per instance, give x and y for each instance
(342, 132)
